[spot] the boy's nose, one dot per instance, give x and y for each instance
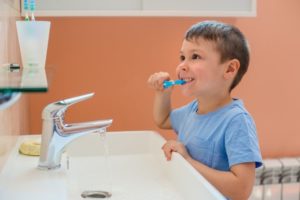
(183, 67)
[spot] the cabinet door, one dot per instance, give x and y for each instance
(200, 5)
(216, 8)
(88, 5)
(203, 7)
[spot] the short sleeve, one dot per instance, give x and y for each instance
(241, 141)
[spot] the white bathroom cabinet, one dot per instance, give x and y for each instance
(194, 8)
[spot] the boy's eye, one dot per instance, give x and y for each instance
(196, 56)
(182, 58)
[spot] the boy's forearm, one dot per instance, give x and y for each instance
(162, 109)
(228, 183)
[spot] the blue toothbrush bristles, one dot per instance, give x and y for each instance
(26, 8)
(32, 9)
(32, 5)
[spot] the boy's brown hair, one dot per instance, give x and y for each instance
(230, 42)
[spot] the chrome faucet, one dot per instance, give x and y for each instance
(56, 135)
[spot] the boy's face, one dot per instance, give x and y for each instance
(200, 66)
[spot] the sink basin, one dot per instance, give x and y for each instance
(130, 165)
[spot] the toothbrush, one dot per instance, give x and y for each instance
(168, 84)
(32, 9)
(26, 8)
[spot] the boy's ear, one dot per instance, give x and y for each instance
(232, 68)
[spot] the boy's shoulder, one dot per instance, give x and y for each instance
(239, 113)
(235, 108)
(238, 107)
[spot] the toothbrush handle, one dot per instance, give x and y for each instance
(168, 84)
(179, 82)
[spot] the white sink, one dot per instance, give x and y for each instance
(135, 169)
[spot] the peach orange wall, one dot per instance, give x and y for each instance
(113, 57)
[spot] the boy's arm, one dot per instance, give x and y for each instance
(162, 109)
(162, 99)
(235, 184)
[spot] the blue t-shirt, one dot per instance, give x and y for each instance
(218, 139)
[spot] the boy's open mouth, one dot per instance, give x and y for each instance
(186, 79)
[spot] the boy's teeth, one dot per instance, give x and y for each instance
(187, 79)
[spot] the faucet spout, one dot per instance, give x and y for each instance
(56, 135)
(77, 128)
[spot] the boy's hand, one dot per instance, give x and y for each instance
(156, 80)
(173, 145)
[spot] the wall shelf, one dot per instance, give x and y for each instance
(23, 80)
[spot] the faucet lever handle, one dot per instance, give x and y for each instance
(57, 109)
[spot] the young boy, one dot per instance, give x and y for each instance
(216, 134)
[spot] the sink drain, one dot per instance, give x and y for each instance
(96, 194)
